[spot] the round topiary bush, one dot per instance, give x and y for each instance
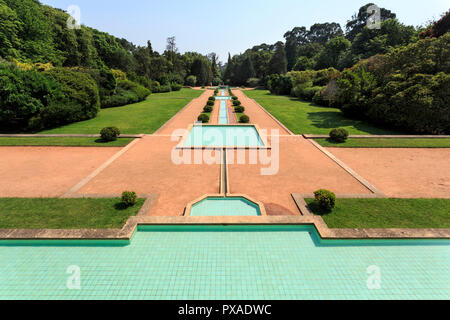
(203, 118)
(325, 199)
(129, 198)
(212, 98)
(244, 119)
(338, 135)
(234, 97)
(236, 103)
(207, 109)
(210, 103)
(110, 133)
(239, 109)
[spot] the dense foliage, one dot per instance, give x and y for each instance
(322, 46)
(407, 89)
(52, 75)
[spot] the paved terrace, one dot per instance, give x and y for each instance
(145, 166)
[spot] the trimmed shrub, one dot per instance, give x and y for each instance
(339, 135)
(110, 133)
(191, 81)
(176, 87)
(212, 98)
(239, 109)
(244, 119)
(253, 82)
(80, 100)
(236, 103)
(234, 97)
(24, 95)
(163, 89)
(279, 84)
(305, 93)
(325, 199)
(127, 92)
(210, 103)
(207, 109)
(203, 118)
(129, 198)
(328, 96)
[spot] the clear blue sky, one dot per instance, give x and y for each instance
(229, 26)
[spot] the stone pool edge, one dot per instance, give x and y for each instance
(127, 232)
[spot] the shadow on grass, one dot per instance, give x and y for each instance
(334, 142)
(101, 141)
(317, 210)
(332, 119)
(121, 206)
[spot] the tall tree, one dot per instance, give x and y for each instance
(278, 63)
(228, 74)
(324, 32)
(331, 53)
(213, 58)
(359, 20)
(294, 39)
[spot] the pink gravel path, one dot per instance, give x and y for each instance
(403, 173)
(47, 171)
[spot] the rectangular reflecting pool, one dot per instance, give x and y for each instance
(223, 136)
(214, 206)
(227, 262)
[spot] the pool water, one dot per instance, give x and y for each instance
(223, 113)
(223, 136)
(225, 207)
(233, 262)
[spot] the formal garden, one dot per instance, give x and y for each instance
(98, 145)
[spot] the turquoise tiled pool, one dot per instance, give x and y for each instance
(225, 207)
(226, 136)
(234, 262)
(223, 113)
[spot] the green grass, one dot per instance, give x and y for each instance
(65, 213)
(63, 141)
(143, 117)
(239, 115)
(306, 118)
(387, 143)
(386, 213)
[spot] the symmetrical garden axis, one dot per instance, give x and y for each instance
(146, 166)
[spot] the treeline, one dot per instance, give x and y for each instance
(36, 33)
(52, 75)
(407, 89)
(322, 46)
(395, 76)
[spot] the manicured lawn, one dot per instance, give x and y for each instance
(143, 117)
(63, 141)
(239, 115)
(387, 143)
(306, 118)
(387, 213)
(65, 213)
